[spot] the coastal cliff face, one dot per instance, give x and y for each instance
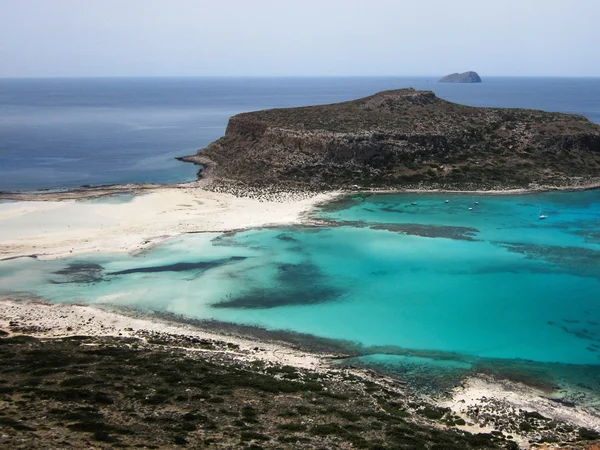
(405, 138)
(465, 77)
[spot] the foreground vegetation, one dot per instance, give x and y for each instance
(162, 391)
(83, 392)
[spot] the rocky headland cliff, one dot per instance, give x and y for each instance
(402, 139)
(465, 77)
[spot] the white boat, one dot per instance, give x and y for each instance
(470, 209)
(477, 203)
(542, 217)
(413, 203)
(447, 201)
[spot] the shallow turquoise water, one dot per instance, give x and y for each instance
(432, 280)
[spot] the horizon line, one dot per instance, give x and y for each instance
(66, 77)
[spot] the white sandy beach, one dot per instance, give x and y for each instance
(65, 226)
(54, 229)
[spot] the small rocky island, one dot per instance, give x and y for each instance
(401, 139)
(465, 77)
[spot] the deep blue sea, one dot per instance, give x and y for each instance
(453, 285)
(58, 133)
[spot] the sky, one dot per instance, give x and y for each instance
(80, 38)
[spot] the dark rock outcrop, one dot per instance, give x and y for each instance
(465, 77)
(405, 138)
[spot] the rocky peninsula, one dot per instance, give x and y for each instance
(405, 139)
(465, 77)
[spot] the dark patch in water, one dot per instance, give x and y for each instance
(286, 238)
(589, 236)
(79, 272)
(414, 229)
(581, 333)
(380, 272)
(514, 267)
(578, 261)
(296, 284)
(293, 273)
(180, 267)
(343, 203)
(431, 231)
(270, 298)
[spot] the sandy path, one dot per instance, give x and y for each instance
(54, 229)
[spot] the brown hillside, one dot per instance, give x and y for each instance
(406, 138)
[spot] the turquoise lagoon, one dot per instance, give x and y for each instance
(411, 285)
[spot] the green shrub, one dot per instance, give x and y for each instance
(252, 435)
(292, 427)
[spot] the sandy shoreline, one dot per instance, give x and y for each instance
(46, 320)
(56, 224)
(62, 226)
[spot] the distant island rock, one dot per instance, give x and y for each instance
(465, 77)
(404, 138)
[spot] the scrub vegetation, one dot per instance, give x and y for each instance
(404, 139)
(167, 392)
